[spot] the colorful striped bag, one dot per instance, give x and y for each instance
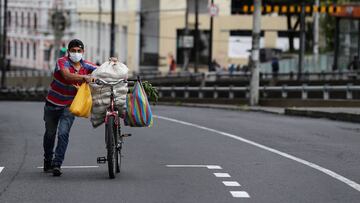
(138, 112)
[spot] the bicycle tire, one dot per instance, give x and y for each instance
(118, 153)
(110, 146)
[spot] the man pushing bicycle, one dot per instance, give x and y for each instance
(70, 70)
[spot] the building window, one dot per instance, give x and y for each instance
(27, 50)
(203, 6)
(16, 19)
(22, 19)
(21, 50)
(47, 54)
(203, 46)
(15, 49)
(35, 21)
(34, 51)
(9, 19)
(8, 49)
(29, 21)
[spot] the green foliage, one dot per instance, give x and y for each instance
(151, 92)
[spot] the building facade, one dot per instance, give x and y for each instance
(30, 34)
(94, 20)
(146, 31)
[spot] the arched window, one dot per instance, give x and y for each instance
(35, 21)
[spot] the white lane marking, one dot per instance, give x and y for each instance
(195, 166)
(326, 171)
(1, 168)
(240, 194)
(231, 183)
(74, 167)
(222, 175)
(213, 167)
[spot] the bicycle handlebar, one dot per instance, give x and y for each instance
(112, 83)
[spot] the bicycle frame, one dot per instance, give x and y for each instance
(111, 110)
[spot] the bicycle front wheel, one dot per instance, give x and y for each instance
(111, 146)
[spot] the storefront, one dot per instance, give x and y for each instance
(347, 36)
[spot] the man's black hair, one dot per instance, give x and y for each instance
(75, 43)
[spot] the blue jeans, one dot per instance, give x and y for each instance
(58, 119)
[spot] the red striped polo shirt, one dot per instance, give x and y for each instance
(62, 92)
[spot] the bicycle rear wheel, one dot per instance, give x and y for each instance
(111, 146)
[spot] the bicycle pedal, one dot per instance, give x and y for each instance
(101, 160)
(126, 135)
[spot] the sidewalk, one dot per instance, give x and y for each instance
(335, 113)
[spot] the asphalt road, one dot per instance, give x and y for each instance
(189, 155)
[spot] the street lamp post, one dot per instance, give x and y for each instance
(196, 36)
(98, 58)
(3, 52)
(112, 32)
(255, 54)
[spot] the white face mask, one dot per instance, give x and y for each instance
(75, 57)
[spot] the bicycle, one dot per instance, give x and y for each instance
(113, 137)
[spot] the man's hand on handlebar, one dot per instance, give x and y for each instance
(89, 79)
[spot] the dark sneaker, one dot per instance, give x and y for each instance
(56, 171)
(48, 167)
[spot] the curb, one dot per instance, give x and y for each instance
(349, 117)
(223, 107)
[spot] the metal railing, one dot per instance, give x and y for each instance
(348, 92)
(231, 92)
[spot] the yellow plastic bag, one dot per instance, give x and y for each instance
(82, 103)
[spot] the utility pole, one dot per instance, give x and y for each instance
(255, 54)
(112, 32)
(99, 33)
(196, 36)
(186, 33)
(316, 33)
(211, 36)
(3, 52)
(302, 40)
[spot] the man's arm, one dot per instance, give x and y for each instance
(74, 77)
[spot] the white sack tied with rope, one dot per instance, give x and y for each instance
(109, 71)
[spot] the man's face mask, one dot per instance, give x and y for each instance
(76, 54)
(75, 57)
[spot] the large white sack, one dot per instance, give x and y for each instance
(109, 71)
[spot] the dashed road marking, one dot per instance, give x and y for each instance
(74, 167)
(231, 183)
(1, 168)
(235, 194)
(195, 166)
(326, 171)
(240, 194)
(222, 175)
